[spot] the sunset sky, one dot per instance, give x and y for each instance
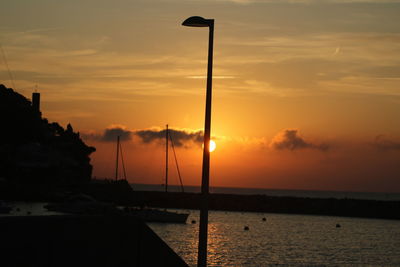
(306, 93)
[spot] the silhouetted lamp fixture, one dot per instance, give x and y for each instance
(203, 228)
(197, 21)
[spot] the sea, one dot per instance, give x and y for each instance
(285, 239)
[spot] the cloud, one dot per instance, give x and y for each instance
(146, 136)
(290, 140)
(180, 137)
(337, 51)
(110, 134)
(383, 143)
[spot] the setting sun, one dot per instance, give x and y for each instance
(212, 145)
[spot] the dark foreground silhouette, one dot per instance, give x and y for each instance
(42, 161)
(102, 241)
(35, 151)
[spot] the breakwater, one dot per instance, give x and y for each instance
(121, 193)
(273, 204)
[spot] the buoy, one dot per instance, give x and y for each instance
(246, 228)
(338, 225)
(264, 219)
(29, 212)
(193, 221)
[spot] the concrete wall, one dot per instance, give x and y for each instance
(52, 241)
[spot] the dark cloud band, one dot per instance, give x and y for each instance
(180, 137)
(383, 143)
(290, 140)
(109, 135)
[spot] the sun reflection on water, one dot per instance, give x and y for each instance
(286, 240)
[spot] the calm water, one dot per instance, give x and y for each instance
(286, 240)
(281, 240)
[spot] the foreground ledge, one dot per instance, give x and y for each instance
(82, 241)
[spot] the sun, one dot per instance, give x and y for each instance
(212, 146)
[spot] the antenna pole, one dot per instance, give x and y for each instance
(8, 68)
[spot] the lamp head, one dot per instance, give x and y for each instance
(197, 21)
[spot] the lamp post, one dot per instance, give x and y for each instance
(202, 252)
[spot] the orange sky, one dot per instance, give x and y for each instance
(306, 93)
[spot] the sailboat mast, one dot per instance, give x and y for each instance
(116, 164)
(176, 163)
(166, 160)
(122, 160)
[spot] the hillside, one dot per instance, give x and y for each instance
(36, 151)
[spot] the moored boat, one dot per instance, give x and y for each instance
(82, 204)
(156, 215)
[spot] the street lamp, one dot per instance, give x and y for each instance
(202, 252)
